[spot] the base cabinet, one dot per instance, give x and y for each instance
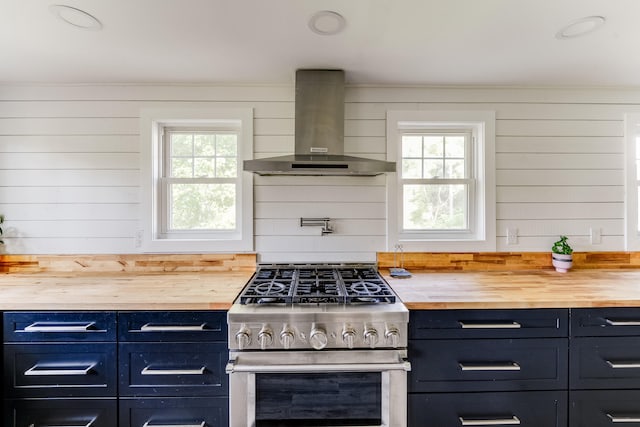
(61, 412)
(488, 367)
(191, 411)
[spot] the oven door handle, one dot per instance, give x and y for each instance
(236, 366)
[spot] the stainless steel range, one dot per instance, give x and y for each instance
(318, 345)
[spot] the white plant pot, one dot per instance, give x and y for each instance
(562, 262)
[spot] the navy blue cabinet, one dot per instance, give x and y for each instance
(488, 367)
(109, 369)
(172, 368)
(605, 361)
(60, 369)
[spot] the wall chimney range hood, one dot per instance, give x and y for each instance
(319, 133)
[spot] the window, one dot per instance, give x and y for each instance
(443, 196)
(632, 199)
(195, 196)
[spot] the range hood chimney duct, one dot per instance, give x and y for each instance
(319, 133)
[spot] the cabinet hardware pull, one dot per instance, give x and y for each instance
(627, 419)
(623, 365)
(89, 424)
(59, 327)
(200, 424)
(622, 322)
(58, 370)
(508, 366)
(151, 371)
(508, 325)
(489, 422)
(149, 327)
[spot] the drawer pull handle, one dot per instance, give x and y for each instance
(151, 371)
(200, 424)
(59, 327)
(89, 424)
(513, 421)
(628, 419)
(507, 325)
(58, 370)
(613, 322)
(149, 327)
(623, 365)
(508, 366)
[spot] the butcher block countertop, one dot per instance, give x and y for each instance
(121, 291)
(518, 289)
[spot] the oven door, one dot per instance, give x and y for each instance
(366, 388)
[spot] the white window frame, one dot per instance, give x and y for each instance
(632, 131)
(481, 235)
(151, 236)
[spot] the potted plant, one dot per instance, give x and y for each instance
(561, 255)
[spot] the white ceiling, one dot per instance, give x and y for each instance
(431, 42)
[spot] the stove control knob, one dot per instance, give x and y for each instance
(243, 338)
(265, 337)
(349, 336)
(393, 337)
(371, 337)
(318, 338)
(286, 337)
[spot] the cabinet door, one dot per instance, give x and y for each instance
(488, 365)
(608, 362)
(173, 369)
(59, 326)
(525, 409)
(599, 322)
(60, 370)
(184, 412)
(61, 412)
(604, 408)
(474, 324)
(172, 326)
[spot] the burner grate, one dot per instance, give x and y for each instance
(317, 285)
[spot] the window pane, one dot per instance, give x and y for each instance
(203, 207)
(181, 144)
(205, 167)
(454, 169)
(433, 146)
(227, 145)
(204, 145)
(411, 146)
(433, 168)
(181, 167)
(434, 207)
(454, 146)
(226, 167)
(411, 168)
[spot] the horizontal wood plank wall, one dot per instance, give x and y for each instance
(504, 261)
(69, 166)
(127, 263)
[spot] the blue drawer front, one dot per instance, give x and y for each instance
(61, 412)
(193, 411)
(172, 326)
(168, 369)
(59, 326)
(60, 370)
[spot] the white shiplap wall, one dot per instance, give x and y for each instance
(69, 166)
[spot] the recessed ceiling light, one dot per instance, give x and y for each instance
(581, 27)
(327, 23)
(76, 17)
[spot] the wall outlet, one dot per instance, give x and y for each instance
(512, 236)
(138, 237)
(595, 236)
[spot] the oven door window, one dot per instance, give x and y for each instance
(317, 399)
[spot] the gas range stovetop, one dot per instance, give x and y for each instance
(314, 284)
(302, 306)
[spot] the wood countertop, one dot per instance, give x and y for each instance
(121, 290)
(518, 289)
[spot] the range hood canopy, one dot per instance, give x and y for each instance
(319, 133)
